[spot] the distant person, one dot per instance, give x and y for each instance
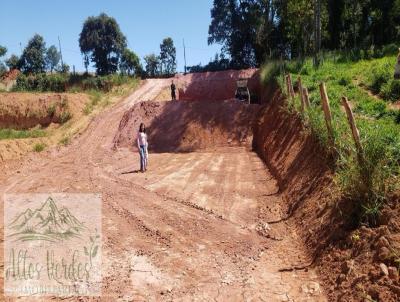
(397, 67)
(173, 88)
(142, 146)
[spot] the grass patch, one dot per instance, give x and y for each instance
(39, 147)
(66, 140)
(19, 134)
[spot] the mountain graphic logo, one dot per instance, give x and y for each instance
(46, 223)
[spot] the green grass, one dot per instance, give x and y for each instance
(369, 184)
(66, 140)
(39, 147)
(19, 134)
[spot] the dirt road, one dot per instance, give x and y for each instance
(191, 229)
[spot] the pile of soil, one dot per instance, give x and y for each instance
(28, 110)
(184, 126)
(216, 86)
(355, 265)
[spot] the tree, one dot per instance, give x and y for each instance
(86, 62)
(152, 65)
(102, 40)
(317, 32)
(13, 62)
(64, 68)
(33, 56)
(168, 56)
(130, 63)
(3, 51)
(52, 57)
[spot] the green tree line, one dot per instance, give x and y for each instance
(251, 31)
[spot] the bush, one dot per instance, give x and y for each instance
(39, 147)
(41, 83)
(378, 76)
(65, 117)
(391, 90)
(390, 50)
(62, 82)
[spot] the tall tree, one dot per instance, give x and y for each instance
(168, 56)
(13, 62)
(33, 57)
(152, 65)
(234, 25)
(102, 39)
(130, 63)
(53, 57)
(317, 31)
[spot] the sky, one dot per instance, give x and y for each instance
(145, 24)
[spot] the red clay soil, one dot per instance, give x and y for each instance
(193, 227)
(348, 261)
(19, 110)
(184, 126)
(216, 86)
(10, 76)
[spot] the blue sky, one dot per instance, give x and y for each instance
(144, 23)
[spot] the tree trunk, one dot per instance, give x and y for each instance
(317, 32)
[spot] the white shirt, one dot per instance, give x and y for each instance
(142, 139)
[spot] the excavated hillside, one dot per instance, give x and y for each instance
(235, 206)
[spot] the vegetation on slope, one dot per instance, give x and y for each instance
(368, 185)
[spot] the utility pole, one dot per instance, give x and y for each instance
(184, 53)
(59, 45)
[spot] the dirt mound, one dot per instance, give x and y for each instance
(216, 86)
(10, 76)
(348, 261)
(27, 110)
(183, 126)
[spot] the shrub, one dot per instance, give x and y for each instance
(378, 76)
(65, 141)
(39, 147)
(390, 50)
(391, 90)
(65, 117)
(51, 110)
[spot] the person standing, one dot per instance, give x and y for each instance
(143, 147)
(173, 89)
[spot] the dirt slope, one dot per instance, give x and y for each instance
(348, 260)
(182, 126)
(216, 86)
(192, 228)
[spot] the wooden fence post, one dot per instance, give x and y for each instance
(306, 98)
(291, 87)
(301, 94)
(327, 112)
(353, 127)
(287, 86)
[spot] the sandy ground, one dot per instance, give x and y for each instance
(191, 229)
